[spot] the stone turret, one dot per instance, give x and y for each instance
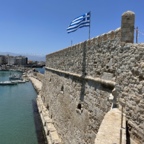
(127, 27)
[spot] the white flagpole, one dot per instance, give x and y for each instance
(90, 25)
(136, 34)
(71, 42)
(89, 32)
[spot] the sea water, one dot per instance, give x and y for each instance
(17, 123)
(41, 70)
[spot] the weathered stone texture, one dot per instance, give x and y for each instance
(77, 109)
(38, 76)
(127, 27)
(131, 81)
(110, 60)
(85, 58)
(77, 104)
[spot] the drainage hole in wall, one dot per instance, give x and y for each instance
(79, 106)
(62, 89)
(47, 107)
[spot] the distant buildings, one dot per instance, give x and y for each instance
(19, 61)
(3, 59)
(13, 60)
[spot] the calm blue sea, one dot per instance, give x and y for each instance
(17, 123)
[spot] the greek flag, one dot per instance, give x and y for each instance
(79, 22)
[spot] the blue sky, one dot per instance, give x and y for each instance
(38, 27)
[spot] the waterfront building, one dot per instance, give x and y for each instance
(3, 59)
(11, 60)
(21, 60)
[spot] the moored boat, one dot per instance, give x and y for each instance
(15, 77)
(8, 83)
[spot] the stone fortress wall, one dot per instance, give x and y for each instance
(80, 80)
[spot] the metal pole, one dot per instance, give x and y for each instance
(122, 117)
(121, 125)
(89, 32)
(120, 136)
(90, 24)
(136, 34)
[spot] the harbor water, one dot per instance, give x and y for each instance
(41, 70)
(19, 120)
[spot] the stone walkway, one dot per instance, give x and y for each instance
(36, 83)
(109, 131)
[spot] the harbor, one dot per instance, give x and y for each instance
(15, 78)
(19, 121)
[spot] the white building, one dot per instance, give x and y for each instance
(11, 60)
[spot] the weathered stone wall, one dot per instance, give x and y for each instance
(77, 107)
(130, 77)
(77, 101)
(38, 76)
(79, 80)
(85, 58)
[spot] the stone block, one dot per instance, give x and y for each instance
(48, 139)
(104, 37)
(50, 127)
(99, 39)
(111, 97)
(112, 35)
(55, 138)
(46, 130)
(127, 27)
(43, 122)
(107, 76)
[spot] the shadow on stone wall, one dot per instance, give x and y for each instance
(38, 124)
(83, 73)
(127, 134)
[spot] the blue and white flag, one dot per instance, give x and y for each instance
(79, 22)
